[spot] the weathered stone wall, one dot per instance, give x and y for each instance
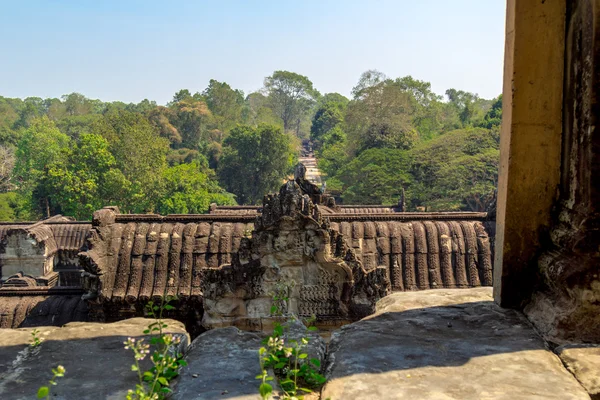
(23, 253)
(566, 305)
(530, 142)
(46, 250)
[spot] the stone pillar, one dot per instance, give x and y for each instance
(530, 142)
(566, 303)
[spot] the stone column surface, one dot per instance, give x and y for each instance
(530, 141)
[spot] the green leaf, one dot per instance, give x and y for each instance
(169, 307)
(43, 392)
(163, 381)
(134, 368)
(305, 390)
(303, 355)
(313, 328)
(148, 375)
(316, 362)
(277, 330)
(265, 389)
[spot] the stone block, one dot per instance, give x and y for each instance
(583, 360)
(97, 365)
(445, 344)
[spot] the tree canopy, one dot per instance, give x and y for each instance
(73, 154)
(255, 161)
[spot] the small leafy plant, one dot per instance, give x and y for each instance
(35, 340)
(154, 383)
(296, 374)
(44, 391)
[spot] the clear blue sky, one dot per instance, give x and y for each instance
(129, 50)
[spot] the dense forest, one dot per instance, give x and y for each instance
(74, 155)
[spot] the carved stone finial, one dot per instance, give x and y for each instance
(300, 172)
(402, 201)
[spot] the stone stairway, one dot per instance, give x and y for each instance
(307, 158)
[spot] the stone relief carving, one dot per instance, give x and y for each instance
(294, 246)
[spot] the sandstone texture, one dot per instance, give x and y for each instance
(223, 363)
(445, 344)
(437, 344)
(97, 366)
(583, 360)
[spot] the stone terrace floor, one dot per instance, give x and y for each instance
(436, 344)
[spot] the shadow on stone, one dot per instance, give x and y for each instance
(452, 344)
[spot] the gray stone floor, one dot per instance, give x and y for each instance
(437, 344)
(445, 344)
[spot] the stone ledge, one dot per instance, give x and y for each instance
(97, 365)
(583, 360)
(445, 344)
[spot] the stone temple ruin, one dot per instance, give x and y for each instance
(538, 339)
(224, 267)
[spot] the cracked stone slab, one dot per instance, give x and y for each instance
(97, 365)
(445, 344)
(583, 360)
(223, 363)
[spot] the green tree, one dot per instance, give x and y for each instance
(380, 116)
(31, 109)
(190, 189)
(255, 161)
(183, 94)
(74, 126)
(9, 115)
(77, 104)
(431, 116)
(332, 155)
(333, 98)
(192, 119)
(257, 111)
(455, 171)
(376, 176)
(493, 118)
(140, 154)
(367, 80)
(470, 107)
(291, 97)
(14, 207)
(225, 104)
(420, 90)
(42, 145)
(163, 119)
(327, 117)
(7, 164)
(86, 178)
